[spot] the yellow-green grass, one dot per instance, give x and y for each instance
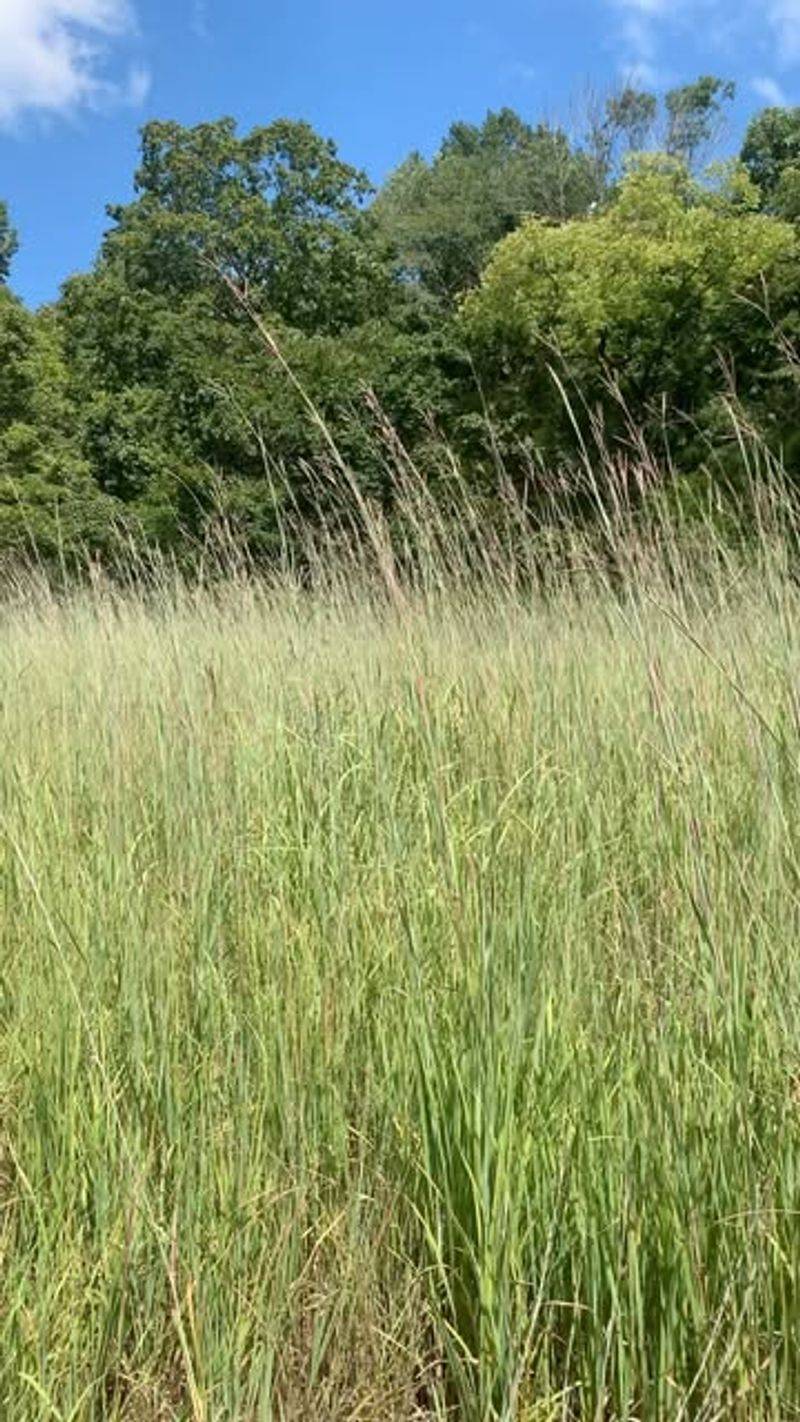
(399, 1005)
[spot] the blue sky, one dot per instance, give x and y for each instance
(78, 77)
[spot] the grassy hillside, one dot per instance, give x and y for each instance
(399, 1003)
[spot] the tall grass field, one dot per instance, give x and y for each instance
(400, 1001)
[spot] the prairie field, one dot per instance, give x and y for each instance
(399, 1002)
(399, 712)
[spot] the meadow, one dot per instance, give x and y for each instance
(399, 998)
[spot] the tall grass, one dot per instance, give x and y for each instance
(399, 988)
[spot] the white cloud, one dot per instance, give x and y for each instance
(138, 86)
(774, 25)
(54, 55)
(526, 73)
(648, 7)
(200, 20)
(784, 17)
(769, 90)
(640, 47)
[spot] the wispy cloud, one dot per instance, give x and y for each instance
(641, 49)
(784, 19)
(138, 86)
(200, 27)
(769, 90)
(55, 54)
(526, 73)
(645, 26)
(641, 24)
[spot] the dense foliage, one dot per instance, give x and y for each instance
(8, 242)
(771, 154)
(261, 329)
(660, 294)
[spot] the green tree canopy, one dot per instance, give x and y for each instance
(176, 392)
(649, 296)
(8, 243)
(771, 154)
(621, 124)
(146, 395)
(443, 217)
(632, 113)
(275, 210)
(695, 115)
(49, 502)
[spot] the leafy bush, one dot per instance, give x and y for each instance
(652, 309)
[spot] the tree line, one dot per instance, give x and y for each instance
(259, 319)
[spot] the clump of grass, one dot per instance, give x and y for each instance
(398, 993)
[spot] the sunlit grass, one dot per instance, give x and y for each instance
(399, 1005)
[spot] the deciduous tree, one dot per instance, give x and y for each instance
(8, 243)
(444, 217)
(653, 297)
